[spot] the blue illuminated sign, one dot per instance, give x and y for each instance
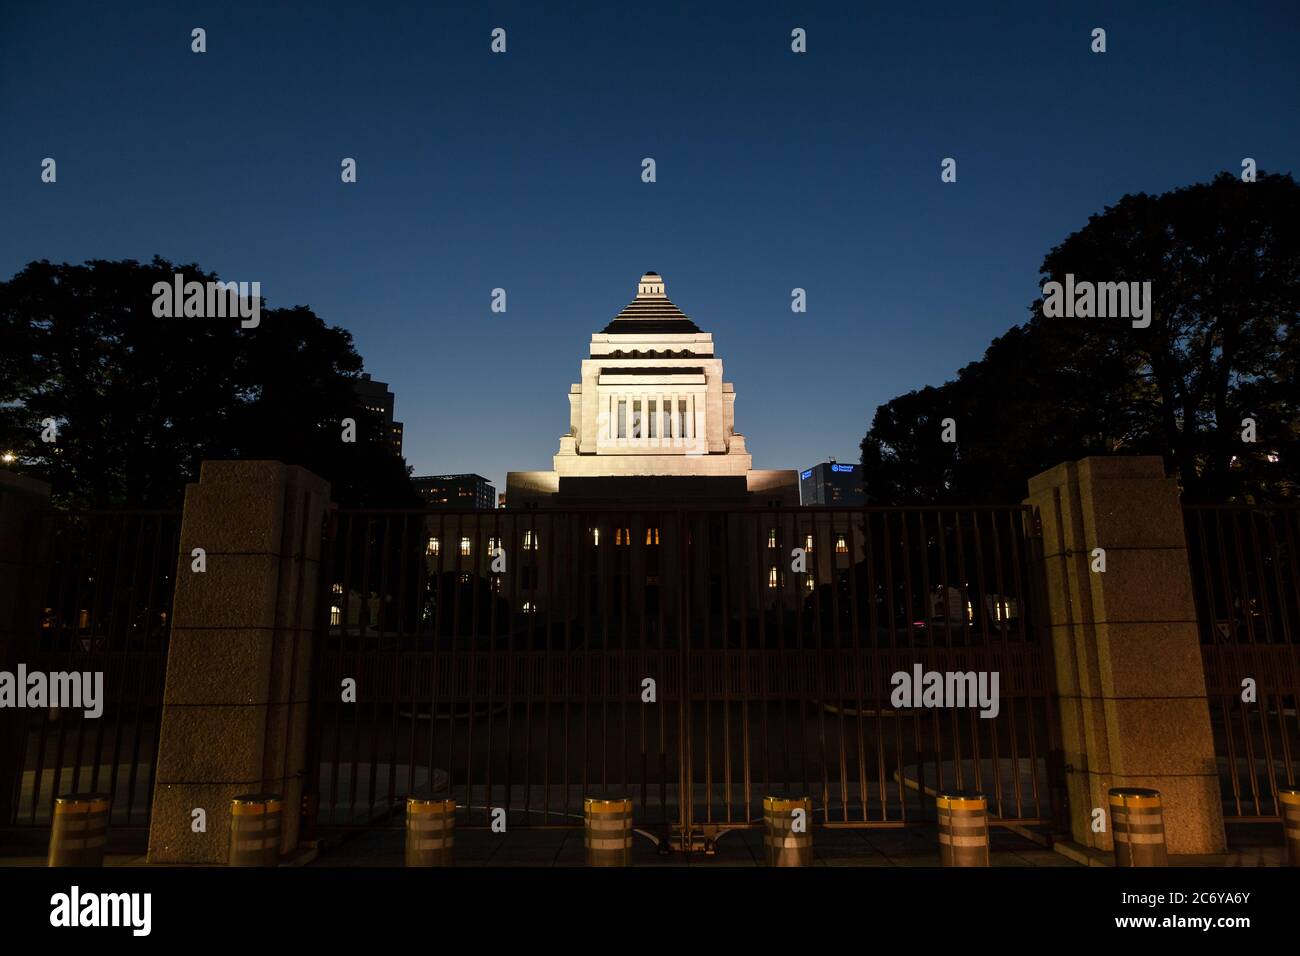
(807, 474)
(841, 467)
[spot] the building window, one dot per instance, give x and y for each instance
(623, 536)
(595, 536)
(493, 544)
(466, 546)
(681, 416)
(773, 580)
(622, 419)
(808, 583)
(841, 545)
(531, 540)
(807, 542)
(636, 418)
(464, 577)
(651, 535)
(654, 415)
(529, 607)
(336, 615)
(433, 547)
(771, 537)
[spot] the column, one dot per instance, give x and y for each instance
(1125, 646)
(235, 704)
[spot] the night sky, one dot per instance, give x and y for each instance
(523, 171)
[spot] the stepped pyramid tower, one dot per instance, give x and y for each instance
(651, 406)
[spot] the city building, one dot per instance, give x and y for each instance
(377, 398)
(460, 492)
(652, 421)
(831, 484)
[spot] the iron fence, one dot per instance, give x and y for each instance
(105, 592)
(694, 660)
(1246, 581)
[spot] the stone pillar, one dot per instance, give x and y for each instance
(235, 706)
(1125, 646)
(23, 502)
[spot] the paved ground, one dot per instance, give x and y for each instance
(736, 848)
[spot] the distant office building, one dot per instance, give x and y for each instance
(377, 398)
(463, 492)
(832, 484)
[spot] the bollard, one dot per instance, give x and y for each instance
(79, 830)
(786, 845)
(608, 833)
(1289, 798)
(1138, 825)
(430, 831)
(255, 830)
(963, 828)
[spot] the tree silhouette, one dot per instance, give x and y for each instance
(1223, 259)
(137, 402)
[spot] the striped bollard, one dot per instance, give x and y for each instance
(608, 831)
(255, 830)
(963, 828)
(430, 831)
(79, 830)
(1289, 797)
(787, 831)
(1138, 826)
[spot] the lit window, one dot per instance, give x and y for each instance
(771, 538)
(336, 615)
(772, 579)
(623, 536)
(595, 536)
(651, 535)
(529, 607)
(807, 542)
(433, 547)
(466, 546)
(334, 589)
(808, 583)
(841, 545)
(464, 577)
(493, 544)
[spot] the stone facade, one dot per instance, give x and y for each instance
(652, 402)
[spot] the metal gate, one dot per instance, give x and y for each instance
(105, 583)
(1245, 564)
(695, 660)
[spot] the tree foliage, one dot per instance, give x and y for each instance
(1223, 259)
(138, 402)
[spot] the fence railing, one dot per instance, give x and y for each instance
(106, 599)
(694, 660)
(1246, 579)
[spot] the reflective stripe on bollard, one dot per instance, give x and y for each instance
(430, 831)
(787, 831)
(1138, 826)
(79, 830)
(963, 829)
(608, 831)
(255, 830)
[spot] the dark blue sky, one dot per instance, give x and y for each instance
(523, 171)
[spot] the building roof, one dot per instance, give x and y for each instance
(650, 312)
